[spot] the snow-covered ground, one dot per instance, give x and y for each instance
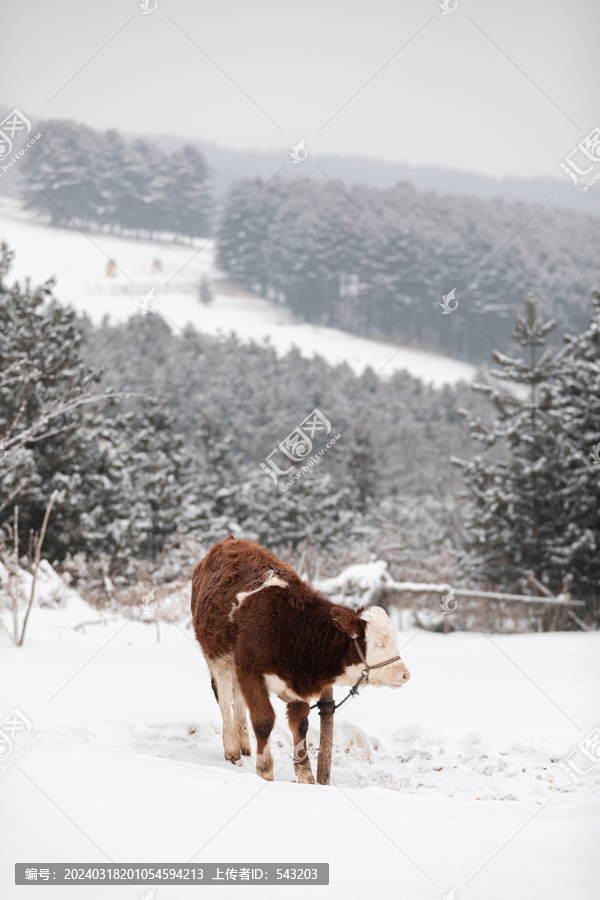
(79, 265)
(454, 782)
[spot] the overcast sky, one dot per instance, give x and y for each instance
(502, 87)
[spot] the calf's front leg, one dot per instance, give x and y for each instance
(297, 714)
(262, 716)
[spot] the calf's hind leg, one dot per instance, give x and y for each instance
(240, 722)
(223, 681)
(262, 716)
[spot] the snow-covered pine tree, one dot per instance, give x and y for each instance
(315, 511)
(245, 217)
(112, 185)
(159, 478)
(188, 206)
(362, 450)
(217, 498)
(64, 180)
(50, 413)
(144, 182)
(514, 488)
(577, 397)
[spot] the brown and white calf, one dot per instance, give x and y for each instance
(263, 630)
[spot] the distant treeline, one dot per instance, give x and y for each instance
(79, 176)
(378, 262)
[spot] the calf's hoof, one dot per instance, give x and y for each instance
(265, 770)
(232, 758)
(305, 778)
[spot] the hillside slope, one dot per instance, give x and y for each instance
(79, 265)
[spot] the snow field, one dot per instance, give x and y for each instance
(428, 782)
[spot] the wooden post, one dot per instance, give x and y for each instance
(326, 737)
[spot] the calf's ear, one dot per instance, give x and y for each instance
(347, 621)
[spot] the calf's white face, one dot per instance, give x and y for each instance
(381, 645)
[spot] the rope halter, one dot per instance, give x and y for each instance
(364, 676)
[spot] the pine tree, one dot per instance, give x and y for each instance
(363, 449)
(158, 480)
(515, 507)
(577, 397)
(144, 183)
(112, 185)
(245, 217)
(63, 170)
(315, 511)
(189, 205)
(217, 499)
(50, 412)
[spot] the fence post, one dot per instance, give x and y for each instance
(326, 709)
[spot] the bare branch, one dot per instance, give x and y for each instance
(38, 552)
